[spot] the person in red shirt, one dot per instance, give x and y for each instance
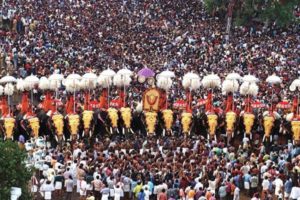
(162, 195)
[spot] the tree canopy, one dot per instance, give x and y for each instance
(13, 170)
(278, 12)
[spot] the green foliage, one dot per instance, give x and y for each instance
(279, 12)
(13, 171)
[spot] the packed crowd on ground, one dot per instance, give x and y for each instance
(43, 37)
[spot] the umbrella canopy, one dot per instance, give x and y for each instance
(108, 73)
(8, 79)
(166, 74)
(56, 77)
(146, 72)
(201, 102)
(90, 76)
(250, 78)
(233, 76)
(273, 79)
(31, 81)
(180, 104)
(257, 104)
(295, 85)
(284, 105)
(125, 72)
(74, 76)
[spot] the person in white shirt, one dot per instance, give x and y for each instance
(265, 184)
(278, 183)
(83, 188)
(69, 184)
(147, 193)
(118, 192)
(236, 194)
(47, 188)
(295, 193)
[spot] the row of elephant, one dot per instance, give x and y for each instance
(125, 120)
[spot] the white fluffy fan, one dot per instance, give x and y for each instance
(211, 81)
(249, 89)
(121, 80)
(191, 81)
(164, 83)
(22, 85)
(230, 86)
(104, 81)
(273, 79)
(295, 85)
(1, 90)
(72, 85)
(9, 89)
(44, 83)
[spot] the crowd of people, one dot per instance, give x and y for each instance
(43, 37)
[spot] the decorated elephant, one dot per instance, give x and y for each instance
(296, 131)
(113, 115)
(186, 121)
(73, 122)
(34, 125)
(269, 119)
(127, 118)
(9, 126)
(151, 120)
(168, 119)
(87, 118)
(230, 119)
(212, 120)
(248, 121)
(58, 124)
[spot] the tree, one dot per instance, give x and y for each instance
(278, 12)
(13, 170)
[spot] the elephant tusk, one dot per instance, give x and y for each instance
(131, 130)
(90, 133)
(64, 137)
(56, 138)
(264, 138)
(111, 132)
(82, 135)
(164, 132)
(123, 131)
(215, 137)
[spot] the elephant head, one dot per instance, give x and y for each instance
(150, 121)
(296, 130)
(74, 121)
(248, 122)
(58, 122)
(186, 120)
(230, 121)
(168, 118)
(113, 116)
(212, 123)
(87, 117)
(34, 124)
(126, 116)
(9, 124)
(268, 125)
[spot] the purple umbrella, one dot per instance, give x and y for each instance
(146, 72)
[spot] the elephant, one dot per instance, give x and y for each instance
(73, 122)
(248, 121)
(9, 126)
(168, 119)
(230, 119)
(113, 116)
(186, 121)
(151, 120)
(126, 118)
(58, 123)
(212, 120)
(296, 131)
(87, 118)
(34, 125)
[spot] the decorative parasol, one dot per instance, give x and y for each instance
(31, 81)
(74, 76)
(180, 104)
(166, 74)
(108, 73)
(90, 76)
(257, 104)
(201, 102)
(8, 79)
(125, 72)
(146, 72)
(284, 105)
(56, 77)
(233, 76)
(250, 78)
(273, 79)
